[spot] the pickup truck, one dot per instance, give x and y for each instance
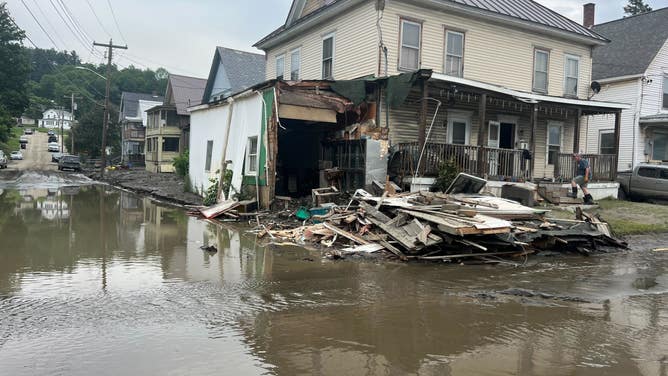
(646, 181)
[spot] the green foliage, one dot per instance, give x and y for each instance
(43, 61)
(181, 163)
(448, 171)
(636, 7)
(211, 197)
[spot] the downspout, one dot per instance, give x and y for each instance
(223, 162)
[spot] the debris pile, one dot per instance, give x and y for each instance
(458, 226)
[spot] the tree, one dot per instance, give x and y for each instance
(636, 7)
(14, 70)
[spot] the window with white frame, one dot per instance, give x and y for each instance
(571, 74)
(295, 64)
(409, 56)
(251, 156)
(328, 57)
(454, 53)
(209, 152)
(280, 67)
(606, 142)
(459, 130)
(665, 92)
(540, 68)
(553, 142)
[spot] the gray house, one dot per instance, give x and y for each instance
(232, 71)
(133, 119)
(633, 69)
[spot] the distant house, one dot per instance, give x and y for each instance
(25, 121)
(232, 72)
(133, 120)
(53, 118)
(633, 69)
(168, 127)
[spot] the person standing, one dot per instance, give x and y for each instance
(582, 176)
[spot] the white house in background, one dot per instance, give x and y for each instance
(52, 118)
(632, 69)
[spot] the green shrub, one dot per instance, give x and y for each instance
(211, 197)
(181, 163)
(447, 172)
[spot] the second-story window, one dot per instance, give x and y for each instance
(328, 57)
(665, 92)
(454, 53)
(409, 56)
(572, 71)
(280, 67)
(540, 66)
(295, 64)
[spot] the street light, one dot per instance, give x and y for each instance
(92, 71)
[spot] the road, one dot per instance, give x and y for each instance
(36, 155)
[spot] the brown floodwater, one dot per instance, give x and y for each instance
(97, 281)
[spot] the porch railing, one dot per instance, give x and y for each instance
(603, 166)
(502, 164)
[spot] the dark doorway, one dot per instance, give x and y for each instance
(507, 136)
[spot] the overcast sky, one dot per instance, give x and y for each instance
(181, 35)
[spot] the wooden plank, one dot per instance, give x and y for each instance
(345, 234)
(319, 115)
(218, 209)
(393, 249)
(374, 212)
(397, 234)
(366, 248)
(463, 255)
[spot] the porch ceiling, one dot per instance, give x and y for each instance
(588, 107)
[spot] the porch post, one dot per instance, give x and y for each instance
(618, 127)
(534, 128)
(482, 117)
(576, 136)
(422, 124)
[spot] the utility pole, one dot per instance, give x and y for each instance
(61, 128)
(72, 97)
(105, 125)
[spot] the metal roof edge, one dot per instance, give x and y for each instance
(528, 96)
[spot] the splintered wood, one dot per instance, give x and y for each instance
(446, 228)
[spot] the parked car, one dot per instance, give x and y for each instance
(24, 146)
(53, 138)
(28, 131)
(3, 160)
(16, 155)
(51, 133)
(55, 157)
(54, 147)
(646, 181)
(23, 140)
(69, 162)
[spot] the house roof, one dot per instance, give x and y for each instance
(184, 91)
(523, 13)
(241, 69)
(635, 41)
(130, 103)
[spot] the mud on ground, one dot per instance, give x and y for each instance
(166, 187)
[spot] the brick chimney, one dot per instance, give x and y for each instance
(589, 15)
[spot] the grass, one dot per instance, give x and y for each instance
(627, 217)
(13, 143)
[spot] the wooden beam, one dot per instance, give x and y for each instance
(422, 123)
(618, 127)
(576, 136)
(482, 126)
(320, 115)
(534, 128)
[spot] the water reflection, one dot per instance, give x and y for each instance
(118, 282)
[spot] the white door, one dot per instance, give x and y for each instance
(493, 142)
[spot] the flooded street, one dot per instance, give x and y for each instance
(94, 280)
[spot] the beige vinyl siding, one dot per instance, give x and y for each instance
(355, 47)
(492, 53)
(311, 6)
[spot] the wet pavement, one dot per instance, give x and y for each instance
(98, 281)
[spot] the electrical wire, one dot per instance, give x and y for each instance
(74, 20)
(113, 15)
(55, 32)
(76, 36)
(39, 24)
(98, 19)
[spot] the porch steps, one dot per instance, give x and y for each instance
(557, 195)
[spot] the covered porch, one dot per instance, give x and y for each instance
(492, 131)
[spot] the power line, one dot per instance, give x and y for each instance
(76, 23)
(98, 19)
(55, 32)
(113, 15)
(39, 24)
(77, 36)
